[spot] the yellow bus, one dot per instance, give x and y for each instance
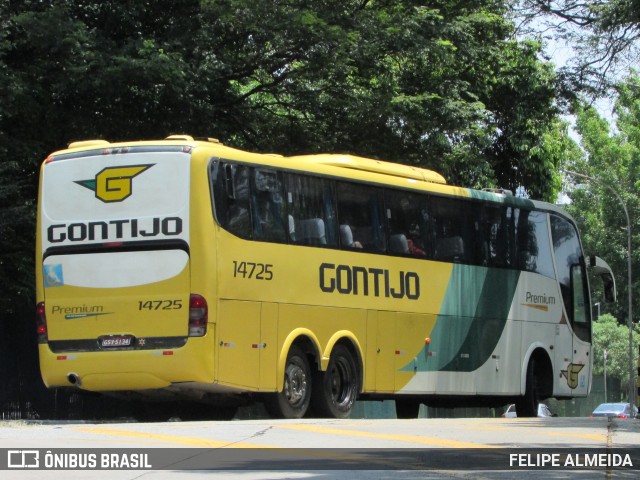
(184, 268)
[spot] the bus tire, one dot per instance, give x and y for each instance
(407, 408)
(527, 405)
(293, 400)
(336, 389)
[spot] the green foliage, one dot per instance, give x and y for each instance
(532, 140)
(613, 337)
(613, 158)
(16, 234)
(442, 85)
(603, 34)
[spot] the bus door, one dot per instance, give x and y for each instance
(573, 332)
(579, 374)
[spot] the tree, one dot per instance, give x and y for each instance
(532, 141)
(613, 157)
(610, 335)
(604, 34)
(442, 85)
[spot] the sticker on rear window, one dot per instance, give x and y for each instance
(53, 276)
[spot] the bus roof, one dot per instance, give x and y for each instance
(376, 166)
(359, 168)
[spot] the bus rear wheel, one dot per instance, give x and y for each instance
(293, 400)
(336, 390)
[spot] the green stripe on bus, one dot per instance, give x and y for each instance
(471, 320)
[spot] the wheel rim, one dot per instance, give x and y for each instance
(295, 383)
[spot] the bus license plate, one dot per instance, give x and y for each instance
(112, 341)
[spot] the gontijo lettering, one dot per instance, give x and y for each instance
(354, 280)
(114, 229)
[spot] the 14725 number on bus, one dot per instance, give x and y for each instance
(259, 271)
(160, 305)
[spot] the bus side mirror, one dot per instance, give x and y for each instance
(602, 269)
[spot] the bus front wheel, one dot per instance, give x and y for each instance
(293, 400)
(527, 405)
(336, 390)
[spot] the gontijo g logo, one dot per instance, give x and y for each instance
(114, 184)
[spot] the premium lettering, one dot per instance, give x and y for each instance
(114, 229)
(540, 299)
(377, 282)
(77, 309)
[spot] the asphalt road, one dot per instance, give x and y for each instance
(324, 449)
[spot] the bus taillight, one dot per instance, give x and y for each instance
(198, 315)
(41, 323)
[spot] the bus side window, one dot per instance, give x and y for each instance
(230, 183)
(502, 236)
(310, 210)
(453, 226)
(267, 207)
(488, 228)
(407, 224)
(534, 247)
(360, 209)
